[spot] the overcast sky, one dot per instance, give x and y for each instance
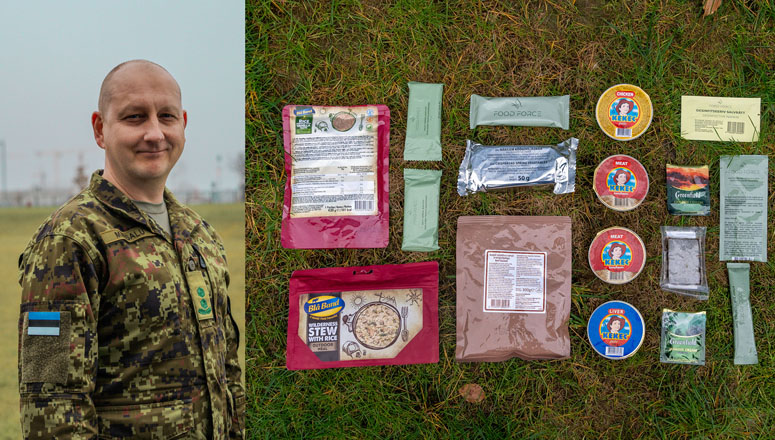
(55, 54)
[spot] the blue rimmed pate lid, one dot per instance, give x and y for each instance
(615, 330)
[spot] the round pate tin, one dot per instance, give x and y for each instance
(616, 330)
(624, 112)
(617, 255)
(621, 182)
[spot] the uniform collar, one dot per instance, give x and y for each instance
(182, 220)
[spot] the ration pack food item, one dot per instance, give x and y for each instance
(688, 189)
(743, 235)
(714, 118)
(513, 288)
(421, 210)
(683, 338)
(683, 261)
(740, 290)
(539, 111)
(336, 192)
(615, 330)
(359, 316)
(423, 122)
(624, 112)
(621, 182)
(491, 167)
(617, 255)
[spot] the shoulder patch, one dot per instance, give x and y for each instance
(134, 234)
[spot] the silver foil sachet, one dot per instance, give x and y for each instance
(490, 167)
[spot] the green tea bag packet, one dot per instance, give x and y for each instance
(739, 288)
(423, 122)
(683, 261)
(421, 210)
(688, 191)
(683, 338)
(743, 212)
(539, 111)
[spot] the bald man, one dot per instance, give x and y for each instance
(125, 328)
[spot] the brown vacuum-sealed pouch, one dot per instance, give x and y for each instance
(513, 288)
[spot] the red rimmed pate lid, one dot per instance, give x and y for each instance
(617, 255)
(621, 182)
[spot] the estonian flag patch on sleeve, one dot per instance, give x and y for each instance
(43, 323)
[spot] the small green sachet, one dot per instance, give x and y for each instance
(538, 111)
(740, 289)
(423, 122)
(683, 338)
(421, 210)
(688, 191)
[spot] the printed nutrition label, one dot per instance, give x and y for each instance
(334, 152)
(514, 281)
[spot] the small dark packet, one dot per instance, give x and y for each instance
(688, 191)
(360, 316)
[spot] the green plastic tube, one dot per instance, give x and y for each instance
(739, 288)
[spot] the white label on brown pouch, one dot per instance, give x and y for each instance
(514, 282)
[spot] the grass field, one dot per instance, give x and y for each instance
(16, 228)
(351, 53)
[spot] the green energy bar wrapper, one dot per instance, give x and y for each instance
(683, 338)
(540, 111)
(423, 122)
(490, 167)
(421, 210)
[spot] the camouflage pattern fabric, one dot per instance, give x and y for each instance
(143, 344)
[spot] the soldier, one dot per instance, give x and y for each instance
(125, 328)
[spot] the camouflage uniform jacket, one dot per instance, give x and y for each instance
(124, 331)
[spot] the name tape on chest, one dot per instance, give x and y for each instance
(43, 323)
(130, 235)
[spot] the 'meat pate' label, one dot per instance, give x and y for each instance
(621, 182)
(617, 255)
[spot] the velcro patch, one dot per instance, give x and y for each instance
(200, 295)
(43, 323)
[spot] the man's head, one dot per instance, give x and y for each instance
(140, 125)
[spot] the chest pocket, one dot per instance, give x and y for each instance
(140, 307)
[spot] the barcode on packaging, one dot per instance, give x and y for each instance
(514, 281)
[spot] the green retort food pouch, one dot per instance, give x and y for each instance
(423, 122)
(743, 211)
(539, 111)
(740, 289)
(421, 210)
(688, 189)
(683, 338)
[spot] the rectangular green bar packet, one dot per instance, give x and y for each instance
(537, 111)
(743, 211)
(423, 122)
(740, 289)
(683, 338)
(421, 210)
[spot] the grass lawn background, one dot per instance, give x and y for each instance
(353, 53)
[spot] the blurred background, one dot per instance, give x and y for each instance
(53, 58)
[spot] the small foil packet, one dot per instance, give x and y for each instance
(491, 167)
(683, 338)
(688, 189)
(360, 316)
(683, 261)
(538, 111)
